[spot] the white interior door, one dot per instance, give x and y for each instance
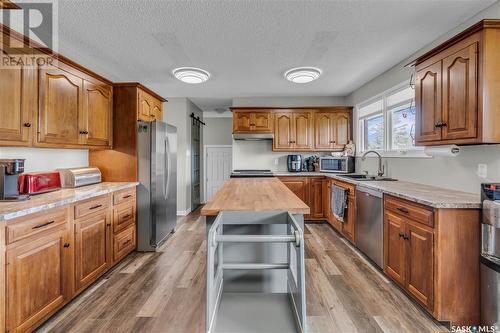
(218, 168)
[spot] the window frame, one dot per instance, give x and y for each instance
(386, 112)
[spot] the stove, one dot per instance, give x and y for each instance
(251, 173)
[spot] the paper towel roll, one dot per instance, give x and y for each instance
(446, 151)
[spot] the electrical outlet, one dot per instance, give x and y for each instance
(482, 170)
(276, 161)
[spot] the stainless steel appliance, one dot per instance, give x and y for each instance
(342, 164)
(369, 224)
(490, 255)
(9, 173)
(294, 163)
(76, 177)
(157, 192)
(251, 173)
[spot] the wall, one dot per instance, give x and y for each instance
(177, 112)
(259, 154)
(218, 131)
(45, 159)
(455, 173)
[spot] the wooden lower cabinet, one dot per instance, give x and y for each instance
(316, 198)
(92, 248)
(348, 226)
(38, 278)
(434, 257)
(46, 268)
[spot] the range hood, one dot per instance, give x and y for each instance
(253, 136)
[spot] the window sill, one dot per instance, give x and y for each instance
(415, 153)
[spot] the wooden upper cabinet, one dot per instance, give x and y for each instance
(456, 85)
(303, 130)
(323, 131)
(37, 274)
(158, 110)
(17, 100)
(145, 106)
(342, 130)
(61, 106)
(428, 100)
(252, 121)
(460, 94)
(96, 123)
(283, 131)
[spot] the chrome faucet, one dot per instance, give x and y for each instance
(381, 168)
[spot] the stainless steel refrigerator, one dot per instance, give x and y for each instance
(157, 192)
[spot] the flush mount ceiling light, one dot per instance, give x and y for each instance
(302, 74)
(191, 75)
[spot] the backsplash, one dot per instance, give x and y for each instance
(44, 159)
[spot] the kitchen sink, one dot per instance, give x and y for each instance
(368, 177)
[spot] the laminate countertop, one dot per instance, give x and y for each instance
(37, 203)
(254, 194)
(432, 196)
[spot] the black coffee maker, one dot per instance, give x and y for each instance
(10, 169)
(294, 163)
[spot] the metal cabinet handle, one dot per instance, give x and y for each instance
(403, 210)
(406, 237)
(401, 235)
(109, 224)
(440, 124)
(84, 132)
(126, 216)
(27, 124)
(127, 196)
(66, 245)
(127, 242)
(38, 226)
(95, 207)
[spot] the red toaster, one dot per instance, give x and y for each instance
(39, 182)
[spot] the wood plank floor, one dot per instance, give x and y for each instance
(164, 292)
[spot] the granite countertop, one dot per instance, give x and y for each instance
(62, 197)
(428, 195)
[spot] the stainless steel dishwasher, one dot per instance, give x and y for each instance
(369, 224)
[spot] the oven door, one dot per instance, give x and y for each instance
(333, 165)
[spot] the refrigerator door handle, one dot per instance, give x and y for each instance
(167, 165)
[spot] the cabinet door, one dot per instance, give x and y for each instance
(241, 122)
(262, 122)
(349, 225)
(37, 279)
(323, 130)
(16, 102)
(145, 105)
(97, 115)
(92, 248)
(428, 103)
(341, 130)
(299, 186)
(316, 198)
(61, 104)
(283, 131)
(394, 247)
(460, 94)
(419, 258)
(158, 110)
(124, 243)
(302, 130)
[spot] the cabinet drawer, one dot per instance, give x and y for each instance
(416, 212)
(123, 216)
(123, 243)
(124, 196)
(36, 223)
(91, 206)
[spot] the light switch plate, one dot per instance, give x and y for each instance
(276, 161)
(482, 170)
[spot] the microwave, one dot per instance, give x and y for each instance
(342, 164)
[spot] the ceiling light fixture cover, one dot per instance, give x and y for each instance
(191, 75)
(302, 74)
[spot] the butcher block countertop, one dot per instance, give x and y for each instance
(62, 197)
(254, 194)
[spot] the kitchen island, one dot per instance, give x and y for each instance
(255, 258)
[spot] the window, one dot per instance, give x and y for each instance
(387, 122)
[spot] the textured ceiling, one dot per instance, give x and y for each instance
(247, 45)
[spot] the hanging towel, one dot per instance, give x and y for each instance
(338, 202)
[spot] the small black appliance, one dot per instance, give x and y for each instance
(10, 169)
(294, 163)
